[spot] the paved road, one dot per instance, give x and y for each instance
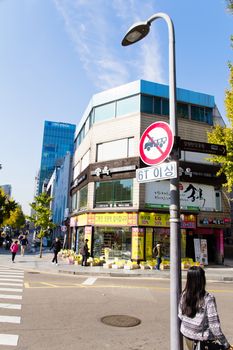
(33, 262)
(64, 312)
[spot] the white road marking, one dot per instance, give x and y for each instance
(10, 296)
(11, 274)
(10, 289)
(12, 279)
(89, 281)
(10, 319)
(11, 284)
(9, 339)
(11, 270)
(10, 306)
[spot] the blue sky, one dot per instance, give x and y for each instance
(55, 54)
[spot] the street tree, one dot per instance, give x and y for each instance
(224, 135)
(7, 206)
(16, 219)
(41, 216)
(230, 5)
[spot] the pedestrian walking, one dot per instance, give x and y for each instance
(56, 246)
(14, 249)
(84, 251)
(23, 244)
(200, 324)
(157, 253)
(8, 242)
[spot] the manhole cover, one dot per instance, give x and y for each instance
(120, 321)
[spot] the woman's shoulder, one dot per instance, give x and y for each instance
(209, 298)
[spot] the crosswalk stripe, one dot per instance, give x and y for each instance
(9, 339)
(10, 319)
(10, 306)
(11, 284)
(12, 279)
(10, 296)
(11, 289)
(89, 281)
(11, 272)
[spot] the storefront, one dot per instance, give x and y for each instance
(129, 235)
(111, 232)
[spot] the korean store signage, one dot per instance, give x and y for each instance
(162, 171)
(193, 196)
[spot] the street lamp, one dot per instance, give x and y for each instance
(137, 32)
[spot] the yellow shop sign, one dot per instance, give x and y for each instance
(81, 220)
(113, 219)
(153, 219)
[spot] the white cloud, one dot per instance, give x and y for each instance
(96, 28)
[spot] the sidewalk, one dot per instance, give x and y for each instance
(32, 262)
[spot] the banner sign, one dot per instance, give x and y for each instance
(193, 196)
(137, 243)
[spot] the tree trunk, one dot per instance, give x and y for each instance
(41, 241)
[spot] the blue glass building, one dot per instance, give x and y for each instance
(58, 139)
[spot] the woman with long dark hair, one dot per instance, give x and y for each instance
(200, 324)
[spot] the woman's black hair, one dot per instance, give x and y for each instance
(194, 291)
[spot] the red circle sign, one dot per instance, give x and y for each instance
(156, 143)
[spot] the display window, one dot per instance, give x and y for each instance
(117, 241)
(79, 239)
(162, 236)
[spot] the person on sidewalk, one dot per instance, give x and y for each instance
(56, 246)
(157, 253)
(200, 324)
(14, 249)
(23, 244)
(84, 251)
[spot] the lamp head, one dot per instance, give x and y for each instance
(135, 33)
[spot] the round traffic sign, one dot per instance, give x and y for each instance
(156, 143)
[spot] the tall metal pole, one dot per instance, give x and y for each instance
(175, 240)
(134, 34)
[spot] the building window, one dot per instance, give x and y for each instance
(74, 201)
(116, 240)
(150, 104)
(116, 193)
(147, 104)
(115, 149)
(76, 170)
(83, 198)
(105, 112)
(182, 110)
(85, 161)
(86, 126)
(202, 114)
(218, 201)
(165, 107)
(128, 105)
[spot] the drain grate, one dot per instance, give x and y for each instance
(120, 321)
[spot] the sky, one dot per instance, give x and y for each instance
(55, 54)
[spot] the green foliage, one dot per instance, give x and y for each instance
(224, 136)
(42, 212)
(7, 206)
(42, 215)
(16, 219)
(229, 4)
